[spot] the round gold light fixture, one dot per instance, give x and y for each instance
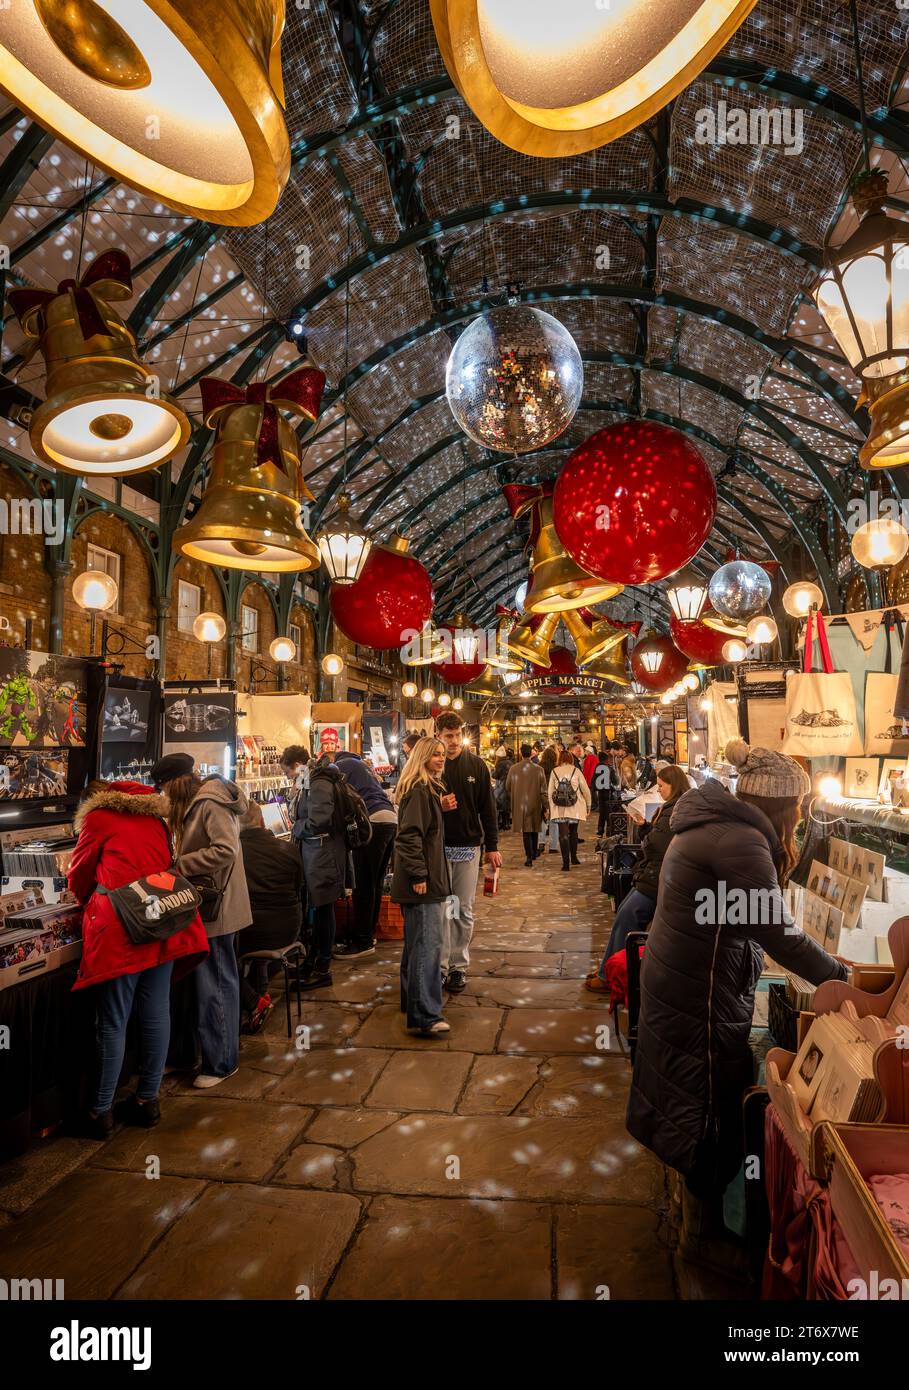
(554, 82)
(880, 543)
(444, 699)
(427, 696)
(95, 591)
(800, 598)
(457, 704)
(209, 627)
(332, 664)
(408, 690)
(761, 630)
(282, 649)
(734, 651)
(180, 99)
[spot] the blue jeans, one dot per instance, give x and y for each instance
(635, 914)
(421, 963)
(150, 991)
(217, 982)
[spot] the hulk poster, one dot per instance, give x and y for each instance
(42, 700)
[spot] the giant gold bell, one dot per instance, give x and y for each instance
(249, 516)
(593, 641)
(180, 99)
(103, 414)
(610, 667)
(486, 685)
(558, 583)
(530, 645)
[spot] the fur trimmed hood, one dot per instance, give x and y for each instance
(127, 799)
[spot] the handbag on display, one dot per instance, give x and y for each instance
(821, 719)
(886, 734)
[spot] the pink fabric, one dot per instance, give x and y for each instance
(891, 1192)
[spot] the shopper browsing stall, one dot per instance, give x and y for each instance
(370, 861)
(470, 831)
(274, 878)
(327, 867)
(123, 837)
(699, 974)
(204, 818)
(569, 805)
(421, 884)
(639, 904)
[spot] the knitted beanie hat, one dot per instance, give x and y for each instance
(762, 772)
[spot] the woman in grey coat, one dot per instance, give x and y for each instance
(204, 818)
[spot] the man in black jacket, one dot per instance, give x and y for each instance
(470, 828)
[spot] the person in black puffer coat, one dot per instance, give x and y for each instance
(699, 974)
(274, 877)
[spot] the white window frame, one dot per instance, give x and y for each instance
(295, 633)
(249, 629)
(108, 562)
(186, 613)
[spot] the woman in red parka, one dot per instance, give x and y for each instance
(123, 836)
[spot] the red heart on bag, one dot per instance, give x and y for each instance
(162, 880)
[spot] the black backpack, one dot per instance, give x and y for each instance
(351, 818)
(566, 793)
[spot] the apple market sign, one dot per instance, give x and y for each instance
(569, 685)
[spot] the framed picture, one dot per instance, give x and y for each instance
(42, 700)
(206, 717)
(34, 775)
(341, 730)
(890, 766)
(126, 716)
(862, 778)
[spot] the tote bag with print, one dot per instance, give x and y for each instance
(821, 721)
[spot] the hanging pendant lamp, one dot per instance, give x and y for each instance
(249, 516)
(180, 99)
(102, 416)
(555, 82)
(343, 545)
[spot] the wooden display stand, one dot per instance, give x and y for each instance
(847, 1156)
(891, 1063)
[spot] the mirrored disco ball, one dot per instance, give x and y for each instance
(739, 590)
(514, 379)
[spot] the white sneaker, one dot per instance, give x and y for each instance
(203, 1082)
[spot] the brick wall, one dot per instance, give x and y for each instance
(187, 657)
(254, 596)
(25, 584)
(136, 614)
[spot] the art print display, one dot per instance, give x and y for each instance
(201, 717)
(42, 700)
(341, 732)
(892, 770)
(33, 776)
(861, 780)
(126, 716)
(884, 732)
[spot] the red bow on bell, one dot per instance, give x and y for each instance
(300, 393)
(503, 611)
(521, 497)
(109, 276)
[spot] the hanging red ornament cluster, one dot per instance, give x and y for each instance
(393, 595)
(657, 663)
(634, 503)
(702, 645)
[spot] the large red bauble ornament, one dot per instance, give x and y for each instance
(457, 672)
(634, 503)
(701, 644)
(561, 663)
(392, 595)
(671, 668)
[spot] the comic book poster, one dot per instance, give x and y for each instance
(42, 700)
(32, 776)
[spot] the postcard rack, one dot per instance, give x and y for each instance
(891, 1062)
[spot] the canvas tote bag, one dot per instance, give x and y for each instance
(886, 734)
(821, 721)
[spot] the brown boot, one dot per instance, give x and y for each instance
(596, 984)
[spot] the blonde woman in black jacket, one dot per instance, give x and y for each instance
(420, 884)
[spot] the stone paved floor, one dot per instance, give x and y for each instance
(372, 1164)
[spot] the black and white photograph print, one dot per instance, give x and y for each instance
(126, 716)
(205, 717)
(33, 775)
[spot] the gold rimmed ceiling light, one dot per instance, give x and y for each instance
(555, 82)
(104, 414)
(180, 99)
